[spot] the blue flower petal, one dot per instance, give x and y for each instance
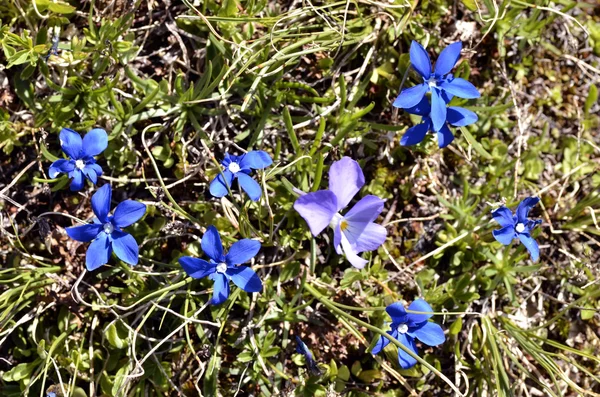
(78, 180)
(366, 210)
(242, 251)
(249, 185)
(95, 167)
(420, 60)
(504, 235)
(460, 117)
(125, 247)
(524, 207)
(346, 178)
(95, 142)
(196, 268)
(503, 216)
(70, 141)
(438, 110)
(220, 289)
(212, 246)
(317, 209)
(59, 166)
(430, 333)
(460, 88)
(531, 245)
(256, 159)
(245, 278)
(218, 187)
(101, 203)
(90, 174)
(397, 312)
(406, 360)
(445, 136)
(372, 237)
(383, 341)
(410, 97)
(98, 252)
(128, 212)
(419, 305)
(415, 134)
(422, 108)
(84, 233)
(447, 59)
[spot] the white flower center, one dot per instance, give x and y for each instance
(222, 267)
(338, 220)
(402, 328)
(234, 167)
(80, 164)
(432, 82)
(108, 228)
(520, 228)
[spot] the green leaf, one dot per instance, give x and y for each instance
(476, 145)
(61, 8)
(591, 99)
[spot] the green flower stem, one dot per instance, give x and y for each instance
(325, 301)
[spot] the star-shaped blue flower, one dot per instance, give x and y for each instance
(240, 167)
(440, 82)
(518, 226)
(406, 327)
(106, 230)
(81, 163)
(455, 116)
(224, 267)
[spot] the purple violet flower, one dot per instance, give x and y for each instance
(354, 232)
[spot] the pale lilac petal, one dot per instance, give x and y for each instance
(345, 180)
(317, 209)
(372, 237)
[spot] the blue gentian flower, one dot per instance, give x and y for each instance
(81, 163)
(224, 267)
(456, 116)
(310, 362)
(51, 394)
(240, 167)
(106, 230)
(440, 82)
(518, 226)
(354, 232)
(406, 327)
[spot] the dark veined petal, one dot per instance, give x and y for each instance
(220, 289)
(460, 117)
(406, 360)
(212, 246)
(256, 159)
(531, 245)
(420, 59)
(242, 251)
(430, 333)
(445, 136)
(415, 134)
(95, 142)
(447, 59)
(397, 312)
(346, 178)
(524, 207)
(84, 233)
(196, 268)
(101, 202)
(438, 110)
(410, 97)
(245, 278)
(90, 174)
(503, 216)
(128, 212)
(504, 235)
(98, 252)
(59, 166)
(422, 108)
(249, 185)
(351, 255)
(317, 209)
(95, 167)
(425, 311)
(382, 342)
(78, 180)
(70, 142)
(218, 187)
(125, 247)
(460, 87)
(372, 237)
